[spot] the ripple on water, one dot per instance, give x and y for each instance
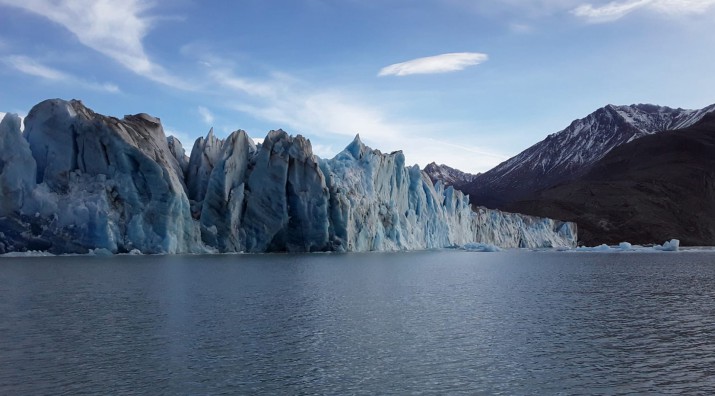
(421, 323)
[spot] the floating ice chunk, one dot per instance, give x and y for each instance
(29, 253)
(599, 248)
(99, 252)
(672, 245)
(480, 247)
(625, 246)
(669, 246)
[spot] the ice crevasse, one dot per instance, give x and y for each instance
(75, 180)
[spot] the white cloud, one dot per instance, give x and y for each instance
(616, 10)
(435, 64)
(608, 12)
(684, 6)
(206, 115)
(113, 28)
(519, 9)
(332, 118)
(32, 67)
(594, 11)
(520, 28)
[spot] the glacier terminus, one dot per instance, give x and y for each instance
(75, 181)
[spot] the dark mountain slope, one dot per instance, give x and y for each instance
(658, 187)
(568, 154)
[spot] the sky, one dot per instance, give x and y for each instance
(467, 83)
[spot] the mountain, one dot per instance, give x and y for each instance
(77, 180)
(658, 187)
(448, 175)
(570, 153)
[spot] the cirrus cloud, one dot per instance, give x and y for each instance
(616, 10)
(609, 12)
(34, 68)
(444, 63)
(206, 115)
(113, 28)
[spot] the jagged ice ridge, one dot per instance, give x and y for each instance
(76, 180)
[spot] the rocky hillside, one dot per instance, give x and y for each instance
(649, 190)
(568, 154)
(448, 175)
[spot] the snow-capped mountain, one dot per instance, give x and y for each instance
(659, 187)
(77, 180)
(448, 175)
(569, 153)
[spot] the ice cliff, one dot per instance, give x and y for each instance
(76, 180)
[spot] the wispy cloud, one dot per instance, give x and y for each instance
(206, 115)
(435, 64)
(243, 85)
(531, 9)
(521, 28)
(117, 30)
(113, 28)
(616, 10)
(336, 116)
(609, 12)
(593, 11)
(32, 67)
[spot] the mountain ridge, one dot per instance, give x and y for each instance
(659, 187)
(569, 153)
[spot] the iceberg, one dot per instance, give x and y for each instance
(672, 245)
(80, 182)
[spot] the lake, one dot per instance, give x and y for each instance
(436, 322)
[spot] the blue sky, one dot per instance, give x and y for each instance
(467, 83)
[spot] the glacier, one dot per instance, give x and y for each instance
(75, 181)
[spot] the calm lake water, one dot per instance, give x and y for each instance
(445, 322)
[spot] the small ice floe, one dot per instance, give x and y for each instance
(480, 247)
(672, 245)
(29, 253)
(100, 252)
